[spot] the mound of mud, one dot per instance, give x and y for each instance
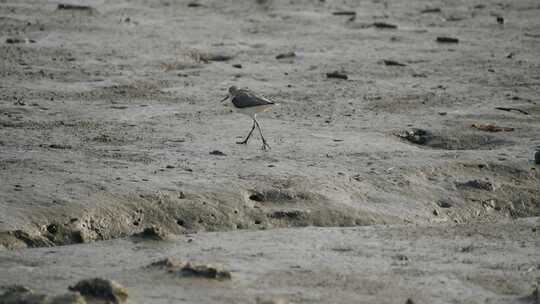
(451, 139)
(161, 216)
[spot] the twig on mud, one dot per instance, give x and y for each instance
(512, 109)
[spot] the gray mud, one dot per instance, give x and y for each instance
(391, 113)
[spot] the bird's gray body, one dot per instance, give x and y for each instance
(244, 98)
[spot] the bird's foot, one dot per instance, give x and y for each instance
(243, 142)
(265, 146)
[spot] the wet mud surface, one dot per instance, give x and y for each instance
(391, 113)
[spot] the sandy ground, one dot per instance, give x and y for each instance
(110, 121)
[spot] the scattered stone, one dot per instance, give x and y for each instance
(415, 136)
(237, 65)
(286, 55)
(337, 74)
(17, 294)
(189, 269)
(286, 214)
(490, 204)
(409, 301)
(444, 204)
(468, 248)
(218, 153)
(443, 39)
(59, 146)
(510, 55)
(384, 25)
(537, 157)
(169, 167)
(258, 197)
(153, 233)
(19, 40)
(194, 4)
(477, 184)
(207, 57)
(344, 13)
(393, 63)
(87, 8)
(500, 20)
(430, 10)
(454, 18)
(101, 291)
(401, 257)
(491, 128)
(419, 75)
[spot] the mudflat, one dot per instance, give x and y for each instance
(403, 145)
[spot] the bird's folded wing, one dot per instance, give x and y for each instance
(247, 99)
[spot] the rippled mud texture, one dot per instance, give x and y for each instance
(392, 113)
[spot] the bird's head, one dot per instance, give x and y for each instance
(232, 93)
(232, 90)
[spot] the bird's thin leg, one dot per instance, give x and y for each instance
(265, 144)
(243, 142)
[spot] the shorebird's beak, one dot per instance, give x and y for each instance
(224, 98)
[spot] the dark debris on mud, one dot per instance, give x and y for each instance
(90, 291)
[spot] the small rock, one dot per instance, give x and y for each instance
(393, 63)
(344, 13)
(153, 233)
(101, 290)
(443, 39)
(409, 301)
(537, 157)
(415, 136)
(337, 74)
(19, 40)
(444, 204)
(169, 167)
(189, 269)
(500, 20)
(237, 65)
(62, 6)
(384, 25)
(477, 184)
(59, 146)
(468, 248)
(430, 10)
(286, 55)
(218, 153)
(215, 57)
(401, 257)
(194, 4)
